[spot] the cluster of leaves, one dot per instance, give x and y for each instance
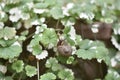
(33, 13)
(59, 70)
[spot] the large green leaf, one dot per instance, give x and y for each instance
(48, 76)
(49, 37)
(98, 52)
(85, 54)
(10, 52)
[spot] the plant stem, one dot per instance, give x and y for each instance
(38, 69)
(13, 74)
(20, 76)
(56, 27)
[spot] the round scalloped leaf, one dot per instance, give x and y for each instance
(18, 66)
(35, 41)
(10, 52)
(50, 62)
(112, 75)
(37, 49)
(30, 70)
(56, 13)
(66, 74)
(50, 2)
(53, 64)
(81, 53)
(48, 76)
(1, 33)
(86, 44)
(99, 52)
(7, 33)
(6, 78)
(49, 37)
(70, 60)
(5, 43)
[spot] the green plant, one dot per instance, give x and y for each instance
(45, 28)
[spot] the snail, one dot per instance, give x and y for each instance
(64, 49)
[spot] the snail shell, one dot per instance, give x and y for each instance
(64, 50)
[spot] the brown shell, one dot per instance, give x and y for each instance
(64, 50)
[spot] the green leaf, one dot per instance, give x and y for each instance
(10, 52)
(48, 76)
(50, 62)
(70, 60)
(78, 39)
(53, 64)
(66, 30)
(49, 37)
(7, 33)
(62, 59)
(98, 52)
(30, 70)
(5, 43)
(70, 41)
(6, 78)
(35, 41)
(81, 53)
(85, 44)
(37, 49)
(2, 43)
(50, 2)
(66, 74)
(40, 5)
(18, 66)
(56, 13)
(112, 75)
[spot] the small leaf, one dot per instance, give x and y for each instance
(70, 60)
(40, 5)
(50, 2)
(66, 30)
(30, 70)
(53, 64)
(50, 62)
(35, 41)
(56, 13)
(48, 76)
(42, 55)
(37, 49)
(7, 78)
(112, 75)
(7, 33)
(18, 66)
(66, 74)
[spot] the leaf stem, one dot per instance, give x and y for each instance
(38, 69)
(13, 74)
(56, 27)
(20, 76)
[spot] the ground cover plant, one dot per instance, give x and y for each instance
(59, 39)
